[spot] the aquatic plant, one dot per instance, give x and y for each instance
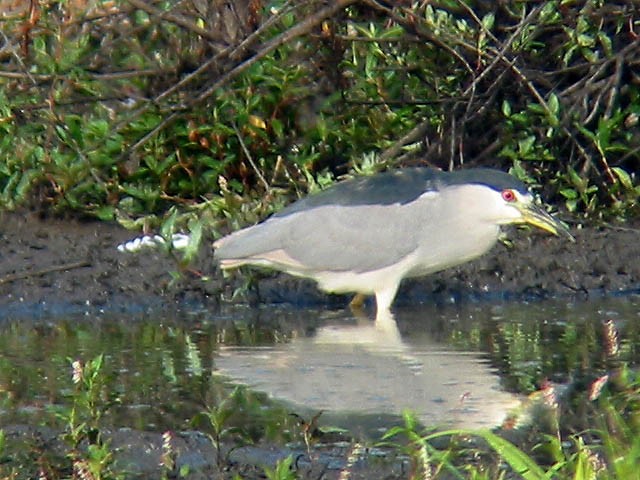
(89, 452)
(282, 471)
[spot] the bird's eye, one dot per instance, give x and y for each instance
(508, 196)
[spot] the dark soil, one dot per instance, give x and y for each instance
(50, 266)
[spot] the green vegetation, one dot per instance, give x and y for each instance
(610, 450)
(125, 109)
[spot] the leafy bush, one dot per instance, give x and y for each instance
(129, 108)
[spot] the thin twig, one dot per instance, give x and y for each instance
(615, 87)
(250, 158)
(92, 76)
(501, 54)
(13, 50)
(414, 135)
(300, 29)
(411, 26)
(354, 38)
(39, 273)
(175, 19)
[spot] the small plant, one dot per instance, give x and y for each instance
(90, 454)
(423, 456)
(428, 462)
(219, 418)
(168, 459)
(282, 471)
(4, 474)
(86, 409)
(308, 429)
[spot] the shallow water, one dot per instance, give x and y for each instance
(457, 365)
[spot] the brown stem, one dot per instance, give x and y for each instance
(39, 273)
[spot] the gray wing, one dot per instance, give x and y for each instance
(358, 239)
(332, 238)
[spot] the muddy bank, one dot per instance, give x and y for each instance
(192, 455)
(50, 266)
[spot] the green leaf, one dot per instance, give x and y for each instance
(506, 108)
(554, 104)
(623, 177)
(603, 134)
(106, 213)
(566, 58)
(520, 173)
(488, 21)
(169, 225)
(195, 236)
(585, 40)
(605, 41)
(584, 464)
(62, 133)
(508, 152)
(569, 193)
(587, 133)
(392, 432)
(576, 179)
(277, 127)
(526, 144)
(590, 55)
(282, 471)
(396, 31)
(549, 12)
(572, 205)
(521, 463)
(24, 184)
(98, 128)
(536, 108)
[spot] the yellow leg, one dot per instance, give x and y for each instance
(358, 300)
(356, 306)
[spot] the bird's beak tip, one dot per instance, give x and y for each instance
(569, 236)
(564, 232)
(536, 216)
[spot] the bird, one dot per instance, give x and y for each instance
(367, 234)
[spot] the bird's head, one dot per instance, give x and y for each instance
(499, 198)
(524, 210)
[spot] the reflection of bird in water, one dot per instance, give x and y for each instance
(367, 234)
(382, 335)
(368, 369)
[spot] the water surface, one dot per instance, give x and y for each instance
(461, 365)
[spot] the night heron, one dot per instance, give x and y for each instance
(367, 234)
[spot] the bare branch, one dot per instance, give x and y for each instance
(298, 30)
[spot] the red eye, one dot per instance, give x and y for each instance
(508, 195)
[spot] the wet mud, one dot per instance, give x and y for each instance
(51, 266)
